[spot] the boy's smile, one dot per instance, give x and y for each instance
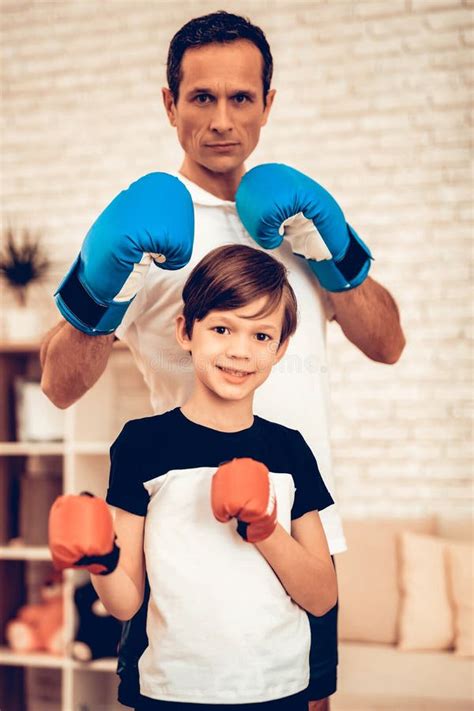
(235, 373)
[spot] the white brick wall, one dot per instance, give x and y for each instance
(374, 102)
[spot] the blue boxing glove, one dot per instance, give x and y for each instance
(276, 202)
(151, 221)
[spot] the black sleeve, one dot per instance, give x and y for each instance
(126, 490)
(311, 492)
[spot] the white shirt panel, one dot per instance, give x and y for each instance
(198, 569)
(297, 391)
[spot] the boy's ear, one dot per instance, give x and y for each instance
(181, 336)
(281, 351)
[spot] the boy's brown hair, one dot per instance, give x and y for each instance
(233, 276)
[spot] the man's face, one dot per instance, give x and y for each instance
(220, 109)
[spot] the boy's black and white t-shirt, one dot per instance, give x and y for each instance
(221, 627)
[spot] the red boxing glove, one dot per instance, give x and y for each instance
(81, 534)
(243, 489)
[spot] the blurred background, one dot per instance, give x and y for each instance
(374, 101)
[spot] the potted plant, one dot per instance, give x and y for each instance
(23, 266)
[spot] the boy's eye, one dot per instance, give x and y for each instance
(266, 337)
(220, 329)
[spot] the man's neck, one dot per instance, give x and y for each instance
(222, 185)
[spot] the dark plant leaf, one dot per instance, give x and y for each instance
(23, 259)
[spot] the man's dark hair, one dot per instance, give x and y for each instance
(233, 276)
(220, 27)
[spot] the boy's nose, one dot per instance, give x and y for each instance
(238, 347)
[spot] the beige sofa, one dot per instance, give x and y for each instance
(406, 623)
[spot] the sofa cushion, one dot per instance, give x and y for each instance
(403, 680)
(455, 529)
(369, 595)
(460, 558)
(426, 615)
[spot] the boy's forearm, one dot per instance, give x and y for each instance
(118, 593)
(310, 582)
(72, 362)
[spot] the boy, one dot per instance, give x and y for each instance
(220, 593)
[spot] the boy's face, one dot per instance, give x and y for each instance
(232, 353)
(220, 108)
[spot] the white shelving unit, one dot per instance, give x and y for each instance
(90, 426)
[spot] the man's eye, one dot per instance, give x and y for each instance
(202, 98)
(241, 98)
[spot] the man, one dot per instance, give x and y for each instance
(218, 99)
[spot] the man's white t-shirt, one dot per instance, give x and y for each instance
(297, 392)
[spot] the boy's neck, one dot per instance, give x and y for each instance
(223, 416)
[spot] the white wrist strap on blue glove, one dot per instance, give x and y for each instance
(336, 273)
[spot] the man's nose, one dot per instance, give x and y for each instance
(221, 120)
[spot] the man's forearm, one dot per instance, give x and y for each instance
(72, 362)
(310, 582)
(369, 318)
(47, 340)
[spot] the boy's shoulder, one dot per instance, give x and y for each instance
(152, 425)
(277, 429)
(286, 446)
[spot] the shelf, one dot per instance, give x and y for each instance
(90, 447)
(32, 659)
(34, 346)
(17, 449)
(108, 664)
(80, 462)
(43, 659)
(26, 449)
(25, 553)
(19, 347)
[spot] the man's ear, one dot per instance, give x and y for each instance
(281, 351)
(168, 101)
(181, 336)
(268, 106)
